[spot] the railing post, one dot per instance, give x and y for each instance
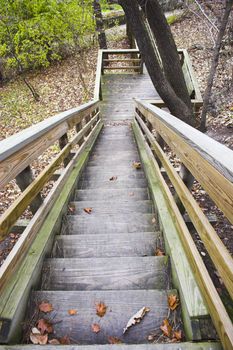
(23, 180)
(62, 143)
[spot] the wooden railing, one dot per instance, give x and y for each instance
(16, 156)
(212, 165)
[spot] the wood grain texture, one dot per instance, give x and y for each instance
(217, 310)
(209, 161)
(216, 249)
(112, 194)
(105, 273)
(106, 245)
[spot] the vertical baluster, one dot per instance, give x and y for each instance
(62, 143)
(23, 180)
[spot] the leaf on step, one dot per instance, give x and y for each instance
(88, 210)
(136, 318)
(153, 221)
(166, 328)
(114, 340)
(65, 340)
(95, 328)
(159, 252)
(113, 178)
(45, 307)
(173, 301)
(71, 209)
(44, 326)
(72, 312)
(177, 335)
(131, 194)
(137, 165)
(39, 338)
(101, 309)
(54, 342)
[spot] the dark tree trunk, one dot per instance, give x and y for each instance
(214, 64)
(137, 23)
(167, 48)
(99, 24)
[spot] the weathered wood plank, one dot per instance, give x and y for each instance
(112, 194)
(218, 313)
(216, 249)
(14, 295)
(209, 161)
(106, 245)
(126, 273)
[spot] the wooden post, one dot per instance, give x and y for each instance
(62, 143)
(23, 180)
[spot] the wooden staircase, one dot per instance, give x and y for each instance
(108, 255)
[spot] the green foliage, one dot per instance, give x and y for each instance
(35, 32)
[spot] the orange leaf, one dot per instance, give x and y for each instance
(114, 340)
(39, 338)
(72, 312)
(159, 252)
(88, 210)
(54, 342)
(45, 307)
(65, 340)
(101, 309)
(71, 209)
(166, 328)
(44, 326)
(95, 328)
(177, 335)
(137, 165)
(113, 178)
(173, 301)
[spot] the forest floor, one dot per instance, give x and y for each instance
(70, 83)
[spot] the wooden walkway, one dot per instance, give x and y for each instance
(112, 235)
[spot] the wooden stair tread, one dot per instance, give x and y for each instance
(105, 273)
(121, 306)
(108, 207)
(126, 174)
(118, 183)
(106, 245)
(111, 194)
(109, 224)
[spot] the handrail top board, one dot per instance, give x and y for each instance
(17, 141)
(218, 155)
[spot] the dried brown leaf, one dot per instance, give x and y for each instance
(44, 326)
(72, 312)
(159, 252)
(65, 340)
(173, 301)
(71, 209)
(45, 307)
(88, 210)
(95, 328)
(101, 309)
(153, 221)
(137, 165)
(177, 335)
(114, 340)
(166, 328)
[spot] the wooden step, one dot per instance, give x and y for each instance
(109, 207)
(109, 224)
(115, 145)
(105, 273)
(118, 183)
(112, 194)
(176, 346)
(120, 158)
(106, 245)
(121, 306)
(107, 173)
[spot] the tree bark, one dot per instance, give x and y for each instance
(214, 64)
(167, 48)
(99, 24)
(137, 23)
